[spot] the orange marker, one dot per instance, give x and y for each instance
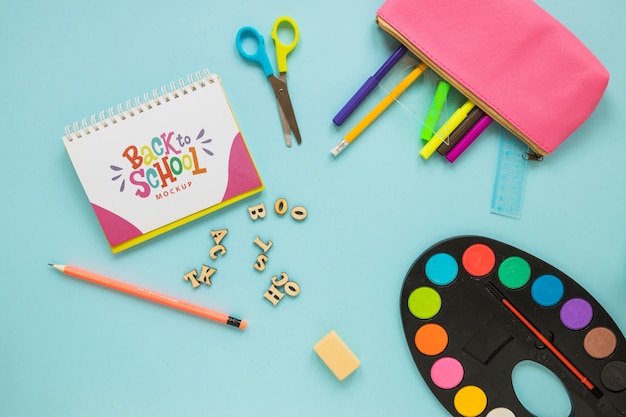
(150, 295)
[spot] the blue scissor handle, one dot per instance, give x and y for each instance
(260, 55)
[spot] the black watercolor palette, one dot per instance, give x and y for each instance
(473, 308)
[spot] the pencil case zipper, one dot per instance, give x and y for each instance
(536, 150)
(514, 60)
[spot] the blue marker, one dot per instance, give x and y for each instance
(368, 86)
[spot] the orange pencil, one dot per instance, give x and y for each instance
(150, 295)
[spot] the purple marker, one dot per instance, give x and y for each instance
(368, 86)
(469, 137)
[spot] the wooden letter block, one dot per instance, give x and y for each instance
(257, 212)
(191, 276)
(259, 265)
(218, 235)
(299, 213)
(292, 288)
(273, 295)
(284, 278)
(215, 249)
(206, 274)
(281, 206)
(336, 355)
(263, 245)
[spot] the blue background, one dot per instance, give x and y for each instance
(68, 348)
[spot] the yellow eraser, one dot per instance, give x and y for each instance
(336, 355)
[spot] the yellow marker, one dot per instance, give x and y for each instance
(445, 130)
(380, 107)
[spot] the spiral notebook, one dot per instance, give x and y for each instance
(166, 159)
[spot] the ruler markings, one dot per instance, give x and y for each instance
(509, 181)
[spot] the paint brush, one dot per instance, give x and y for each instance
(493, 290)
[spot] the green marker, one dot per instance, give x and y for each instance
(435, 110)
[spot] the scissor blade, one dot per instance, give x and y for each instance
(285, 124)
(279, 85)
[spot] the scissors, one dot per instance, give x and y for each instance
(279, 84)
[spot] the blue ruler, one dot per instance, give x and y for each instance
(509, 183)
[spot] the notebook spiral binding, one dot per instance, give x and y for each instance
(130, 109)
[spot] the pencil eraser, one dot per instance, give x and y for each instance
(336, 355)
(339, 147)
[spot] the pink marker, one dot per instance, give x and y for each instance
(469, 138)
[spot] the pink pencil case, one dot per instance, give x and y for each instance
(510, 57)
